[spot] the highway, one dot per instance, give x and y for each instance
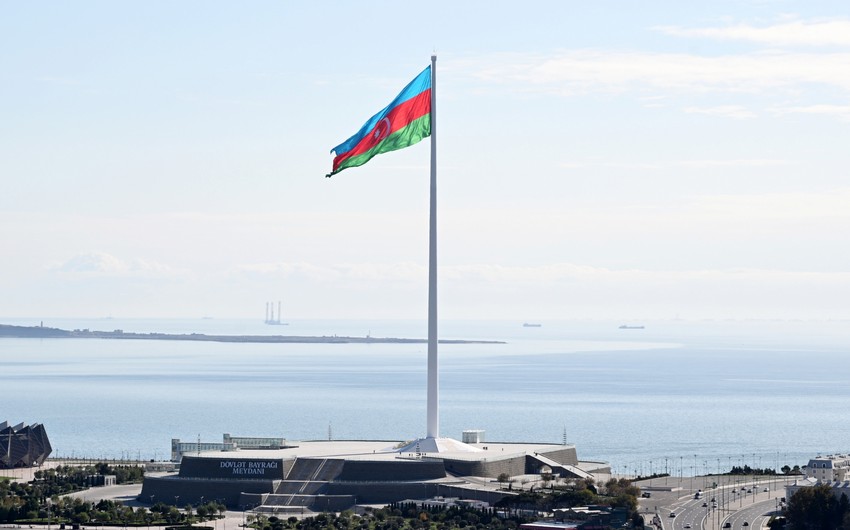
(735, 501)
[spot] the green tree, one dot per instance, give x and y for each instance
(815, 508)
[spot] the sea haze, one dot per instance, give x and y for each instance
(761, 393)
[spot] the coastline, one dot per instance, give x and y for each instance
(41, 332)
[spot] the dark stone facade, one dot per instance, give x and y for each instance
(391, 470)
(233, 468)
(171, 490)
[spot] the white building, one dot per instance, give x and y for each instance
(830, 468)
(228, 443)
(838, 487)
(178, 448)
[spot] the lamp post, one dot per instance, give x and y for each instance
(755, 486)
(693, 473)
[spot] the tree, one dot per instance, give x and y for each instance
(815, 508)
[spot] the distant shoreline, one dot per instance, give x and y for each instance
(41, 332)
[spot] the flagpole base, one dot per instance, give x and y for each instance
(437, 445)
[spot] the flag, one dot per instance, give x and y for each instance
(402, 123)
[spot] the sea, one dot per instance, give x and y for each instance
(681, 397)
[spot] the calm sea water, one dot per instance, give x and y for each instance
(692, 395)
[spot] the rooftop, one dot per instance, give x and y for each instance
(384, 450)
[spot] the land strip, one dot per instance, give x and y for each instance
(41, 332)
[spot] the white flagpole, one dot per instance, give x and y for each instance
(433, 383)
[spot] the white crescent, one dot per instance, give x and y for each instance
(382, 129)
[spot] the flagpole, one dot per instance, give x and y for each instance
(433, 383)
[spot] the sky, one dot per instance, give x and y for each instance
(603, 160)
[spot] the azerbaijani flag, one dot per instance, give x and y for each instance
(402, 123)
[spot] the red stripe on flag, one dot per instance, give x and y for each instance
(397, 118)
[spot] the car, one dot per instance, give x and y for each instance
(727, 525)
(705, 505)
(713, 499)
(749, 491)
(766, 490)
(687, 525)
(672, 514)
(745, 524)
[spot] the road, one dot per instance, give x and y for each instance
(734, 500)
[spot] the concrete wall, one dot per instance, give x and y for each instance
(494, 468)
(386, 492)
(599, 469)
(396, 470)
(491, 497)
(563, 455)
(190, 491)
(292, 504)
(383, 492)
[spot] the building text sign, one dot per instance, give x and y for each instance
(232, 468)
(256, 468)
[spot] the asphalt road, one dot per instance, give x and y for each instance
(732, 502)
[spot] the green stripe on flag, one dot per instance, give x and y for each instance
(414, 132)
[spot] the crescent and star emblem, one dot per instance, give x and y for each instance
(382, 130)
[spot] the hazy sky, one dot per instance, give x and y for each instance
(596, 159)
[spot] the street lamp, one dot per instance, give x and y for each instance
(693, 473)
